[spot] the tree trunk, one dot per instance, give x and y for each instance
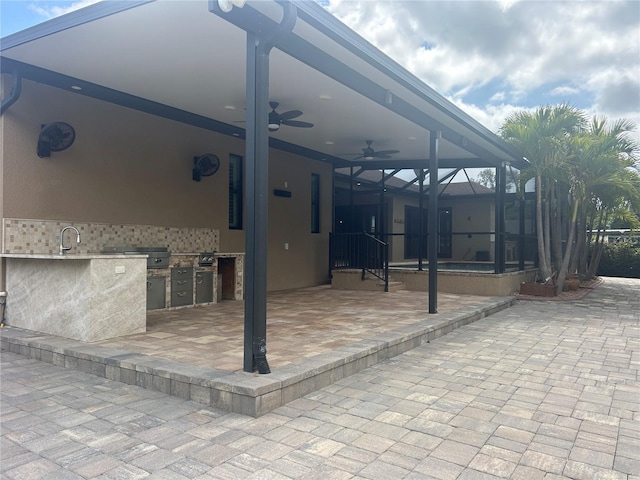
(556, 231)
(544, 266)
(598, 247)
(567, 252)
(581, 240)
(582, 262)
(547, 234)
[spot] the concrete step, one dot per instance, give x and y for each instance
(394, 286)
(352, 280)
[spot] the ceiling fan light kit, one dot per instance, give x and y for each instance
(54, 137)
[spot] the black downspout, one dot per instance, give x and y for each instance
(259, 46)
(14, 94)
(434, 137)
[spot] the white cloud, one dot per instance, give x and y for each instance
(564, 91)
(498, 97)
(492, 57)
(50, 10)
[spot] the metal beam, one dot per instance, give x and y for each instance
(467, 162)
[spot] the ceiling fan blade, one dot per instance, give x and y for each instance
(387, 152)
(296, 123)
(382, 156)
(290, 114)
(357, 158)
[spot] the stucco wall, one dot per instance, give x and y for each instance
(128, 167)
(471, 215)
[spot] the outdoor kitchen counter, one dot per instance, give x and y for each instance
(86, 297)
(69, 256)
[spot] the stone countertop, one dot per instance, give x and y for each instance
(217, 254)
(69, 256)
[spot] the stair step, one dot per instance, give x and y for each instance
(393, 286)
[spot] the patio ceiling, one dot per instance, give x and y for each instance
(181, 61)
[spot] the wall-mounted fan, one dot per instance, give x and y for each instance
(205, 166)
(368, 153)
(55, 137)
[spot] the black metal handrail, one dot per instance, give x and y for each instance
(361, 251)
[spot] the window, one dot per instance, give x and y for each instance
(235, 192)
(315, 203)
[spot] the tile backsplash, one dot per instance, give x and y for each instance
(43, 237)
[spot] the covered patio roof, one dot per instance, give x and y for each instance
(195, 63)
(180, 61)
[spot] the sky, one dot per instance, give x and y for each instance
(490, 58)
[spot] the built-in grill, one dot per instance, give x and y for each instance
(158, 256)
(206, 259)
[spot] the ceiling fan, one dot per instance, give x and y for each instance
(368, 153)
(286, 118)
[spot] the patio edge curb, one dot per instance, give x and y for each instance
(239, 392)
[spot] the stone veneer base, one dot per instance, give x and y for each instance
(240, 392)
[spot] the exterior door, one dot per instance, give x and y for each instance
(414, 243)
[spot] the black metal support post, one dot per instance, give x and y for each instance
(501, 186)
(434, 138)
(420, 218)
(257, 175)
(257, 162)
(381, 227)
(352, 215)
(521, 227)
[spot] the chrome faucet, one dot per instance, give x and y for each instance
(62, 247)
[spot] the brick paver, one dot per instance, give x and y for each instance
(542, 390)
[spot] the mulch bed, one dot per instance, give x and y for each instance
(585, 288)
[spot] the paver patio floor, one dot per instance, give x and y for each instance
(301, 323)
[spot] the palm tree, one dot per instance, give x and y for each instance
(605, 157)
(542, 137)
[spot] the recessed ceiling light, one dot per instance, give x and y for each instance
(235, 134)
(411, 138)
(76, 87)
(229, 107)
(324, 96)
(328, 142)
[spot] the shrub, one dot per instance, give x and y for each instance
(620, 260)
